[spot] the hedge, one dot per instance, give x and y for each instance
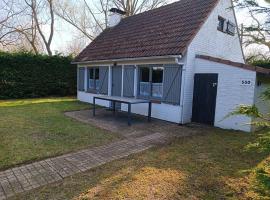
(24, 75)
(261, 63)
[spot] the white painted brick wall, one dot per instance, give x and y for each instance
(88, 98)
(230, 93)
(209, 41)
(160, 111)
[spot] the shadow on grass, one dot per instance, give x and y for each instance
(212, 166)
(215, 165)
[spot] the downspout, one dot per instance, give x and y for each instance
(110, 81)
(182, 92)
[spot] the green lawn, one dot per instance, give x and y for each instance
(37, 128)
(215, 165)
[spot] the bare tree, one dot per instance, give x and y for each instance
(88, 20)
(74, 46)
(77, 14)
(92, 18)
(38, 8)
(31, 36)
(132, 7)
(258, 31)
(28, 33)
(8, 36)
(19, 30)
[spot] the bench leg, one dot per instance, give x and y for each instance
(129, 114)
(149, 111)
(114, 108)
(94, 106)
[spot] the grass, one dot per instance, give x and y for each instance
(215, 165)
(33, 129)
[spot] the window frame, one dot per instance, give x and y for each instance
(93, 89)
(227, 28)
(223, 20)
(150, 96)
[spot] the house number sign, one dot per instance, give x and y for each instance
(246, 82)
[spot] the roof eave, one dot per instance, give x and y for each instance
(256, 69)
(129, 59)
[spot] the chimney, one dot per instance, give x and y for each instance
(115, 16)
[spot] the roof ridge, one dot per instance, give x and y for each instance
(154, 9)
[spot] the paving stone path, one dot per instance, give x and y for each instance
(27, 177)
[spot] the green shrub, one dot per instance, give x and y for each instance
(261, 63)
(24, 75)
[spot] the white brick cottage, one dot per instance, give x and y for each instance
(186, 57)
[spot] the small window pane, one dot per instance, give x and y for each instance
(91, 73)
(221, 22)
(230, 28)
(97, 73)
(94, 78)
(157, 75)
(91, 78)
(144, 82)
(145, 71)
(157, 82)
(97, 78)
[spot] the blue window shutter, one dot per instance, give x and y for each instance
(172, 84)
(80, 78)
(103, 78)
(128, 90)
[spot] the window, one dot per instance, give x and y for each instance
(151, 82)
(157, 82)
(221, 22)
(145, 85)
(93, 83)
(230, 28)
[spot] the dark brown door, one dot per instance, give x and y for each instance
(204, 98)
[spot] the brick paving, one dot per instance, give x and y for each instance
(136, 138)
(27, 177)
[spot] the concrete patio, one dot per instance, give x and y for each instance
(105, 119)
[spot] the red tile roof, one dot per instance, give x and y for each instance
(167, 30)
(235, 64)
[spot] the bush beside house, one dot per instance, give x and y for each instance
(261, 63)
(24, 75)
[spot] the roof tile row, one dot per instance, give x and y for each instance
(167, 30)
